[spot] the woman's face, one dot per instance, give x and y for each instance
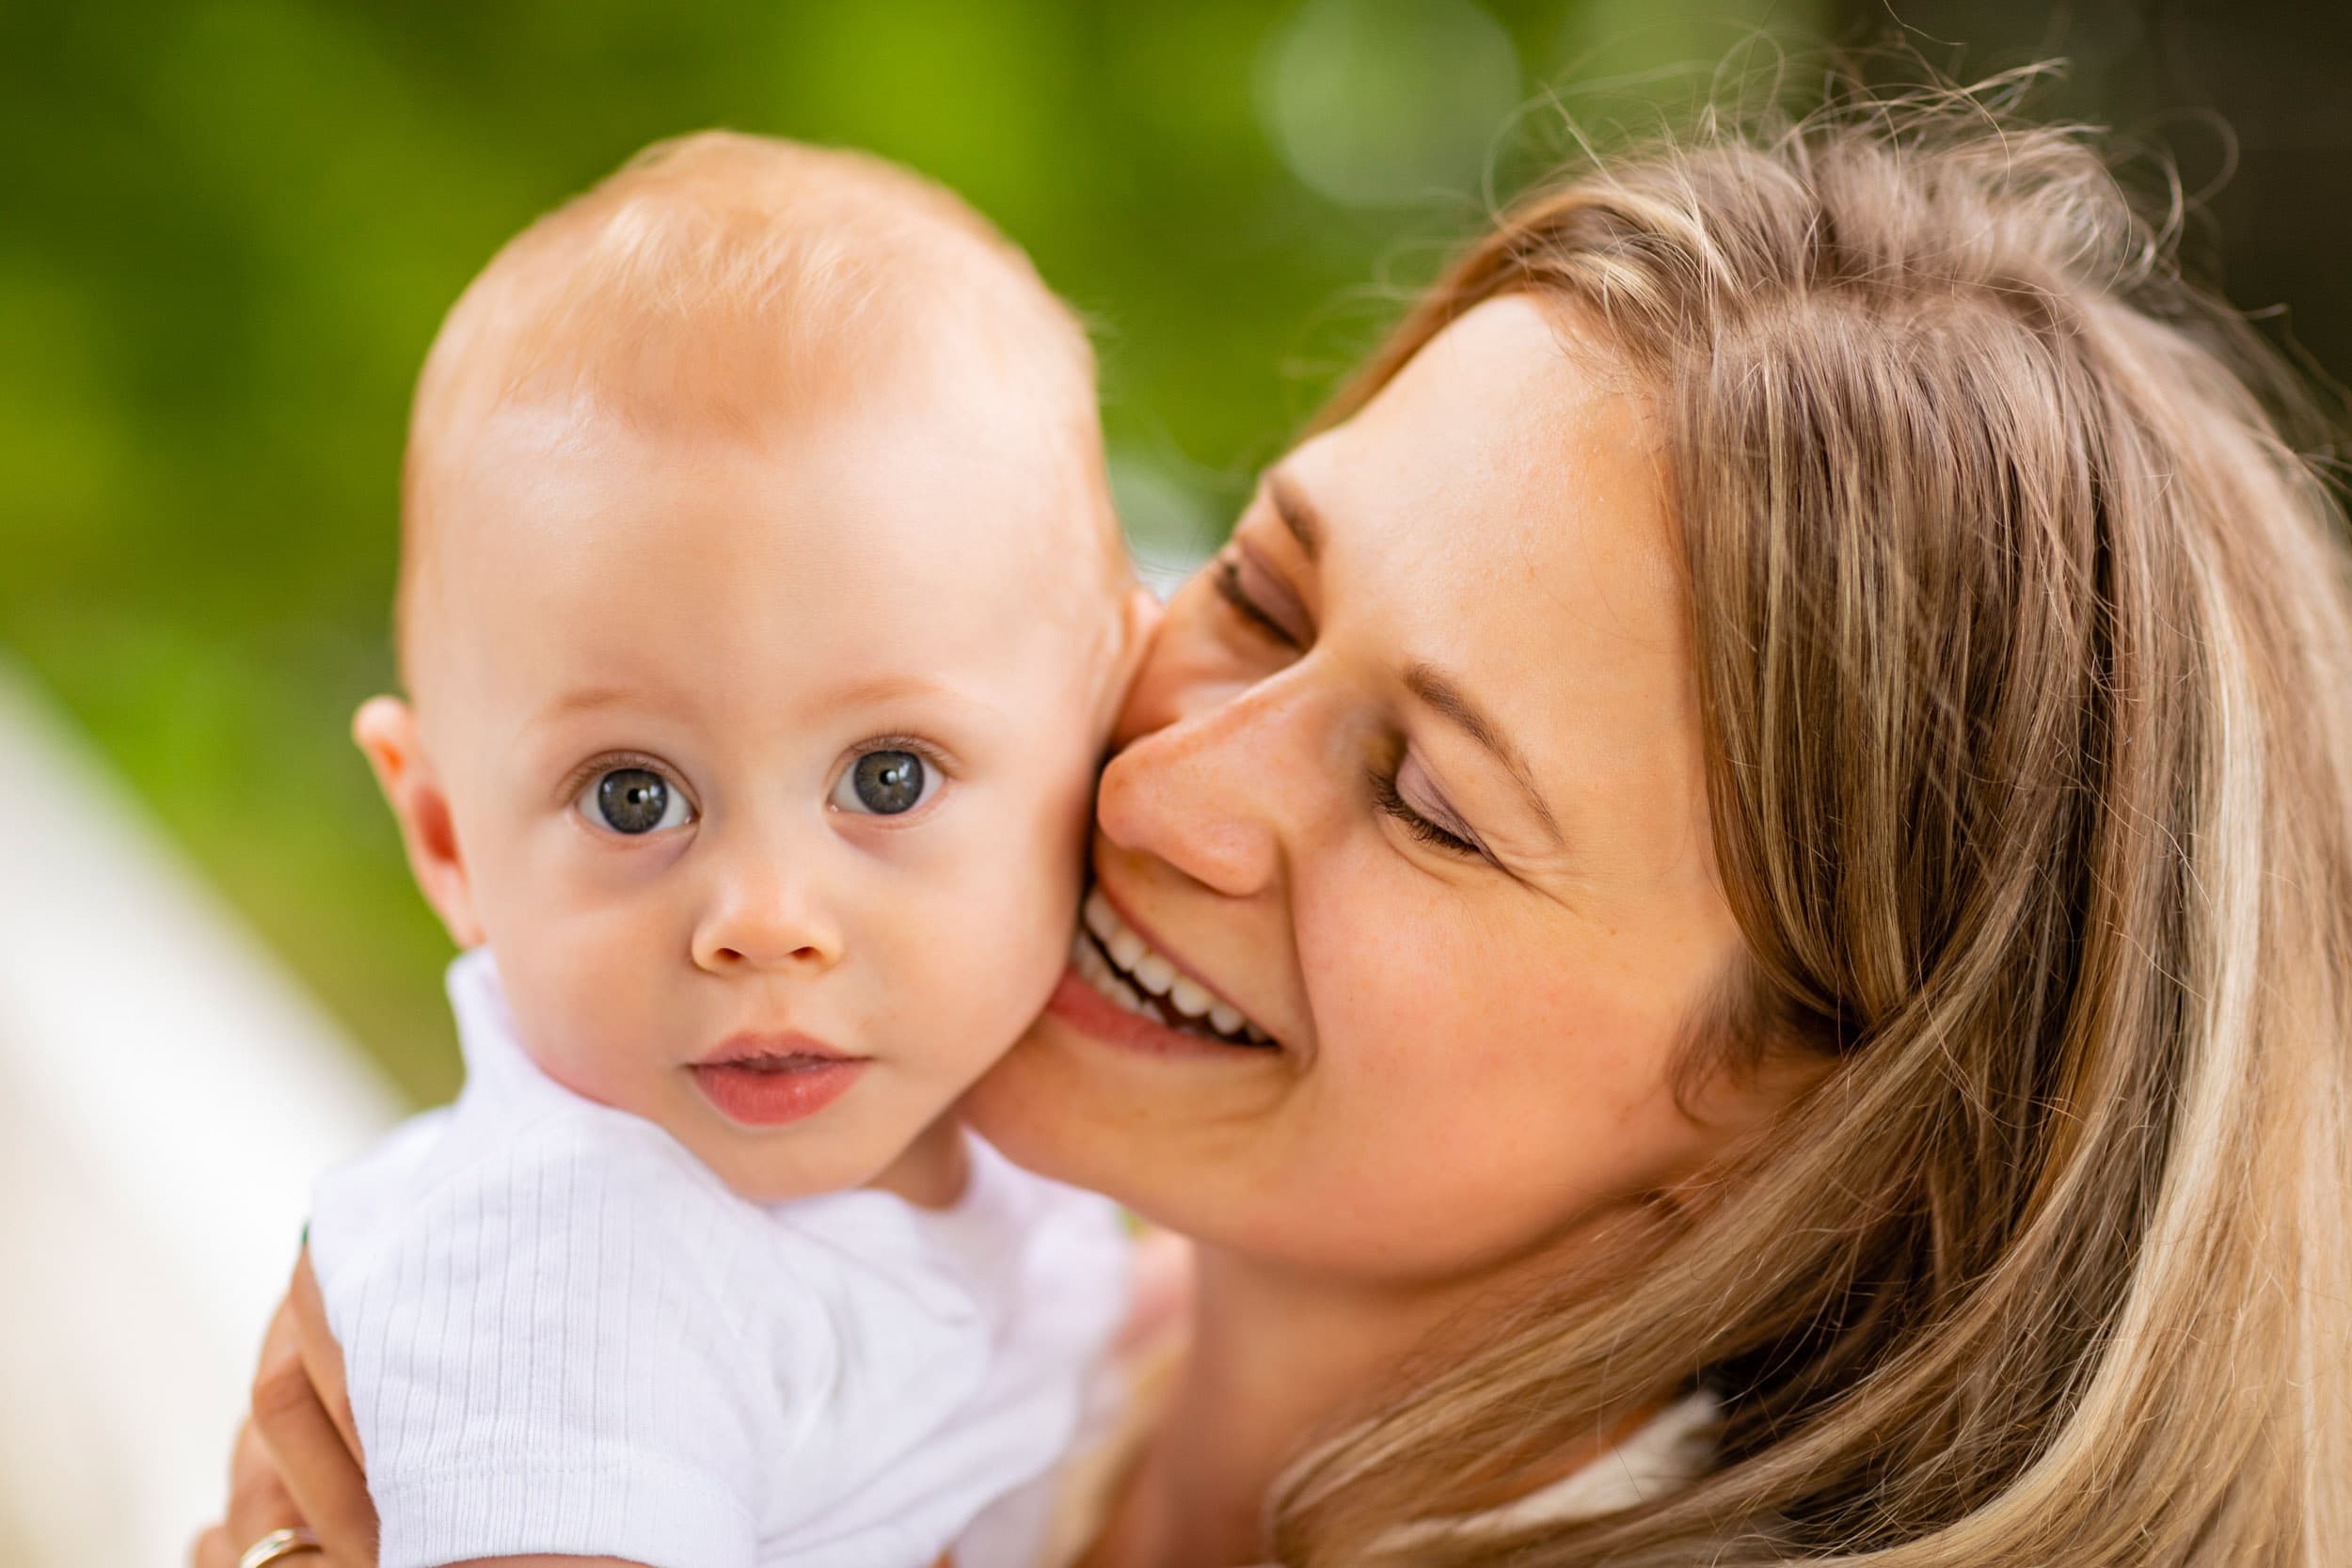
(1411, 781)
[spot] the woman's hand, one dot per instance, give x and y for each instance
(297, 1456)
(1160, 1294)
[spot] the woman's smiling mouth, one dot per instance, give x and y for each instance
(1118, 963)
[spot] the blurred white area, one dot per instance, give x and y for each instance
(165, 1095)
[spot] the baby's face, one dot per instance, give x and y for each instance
(769, 763)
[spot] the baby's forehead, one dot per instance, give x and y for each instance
(905, 528)
(737, 290)
(890, 469)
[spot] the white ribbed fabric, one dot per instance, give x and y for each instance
(563, 1334)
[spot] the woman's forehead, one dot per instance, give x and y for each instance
(1510, 467)
(1499, 512)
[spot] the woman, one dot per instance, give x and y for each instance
(1773, 772)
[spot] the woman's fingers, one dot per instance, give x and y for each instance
(322, 1358)
(258, 1504)
(1160, 1292)
(296, 1459)
(307, 1457)
(214, 1548)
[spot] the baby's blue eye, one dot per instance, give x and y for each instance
(634, 801)
(884, 783)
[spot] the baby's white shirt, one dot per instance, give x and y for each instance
(564, 1334)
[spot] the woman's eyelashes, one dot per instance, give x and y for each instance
(1230, 575)
(1455, 840)
(633, 800)
(1227, 577)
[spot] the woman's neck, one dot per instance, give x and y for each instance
(1275, 1356)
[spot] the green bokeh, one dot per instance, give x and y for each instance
(228, 232)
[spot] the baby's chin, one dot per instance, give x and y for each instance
(840, 1147)
(783, 1169)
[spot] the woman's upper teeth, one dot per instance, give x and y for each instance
(1133, 964)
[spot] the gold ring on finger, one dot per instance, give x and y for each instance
(279, 1544)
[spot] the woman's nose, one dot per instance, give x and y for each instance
(1217, 792)
(764, 922)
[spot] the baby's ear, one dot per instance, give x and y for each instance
(386, 729)
(1139, 617)
(1143, 610)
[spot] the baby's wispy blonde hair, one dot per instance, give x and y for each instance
(720, 282)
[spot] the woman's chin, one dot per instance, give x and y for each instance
(1036, 1107)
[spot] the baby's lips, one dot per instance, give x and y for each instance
(780, 1047)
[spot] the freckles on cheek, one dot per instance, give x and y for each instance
(1465, 1024)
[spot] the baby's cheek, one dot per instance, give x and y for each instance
(575, 1041)
(598, 1075)
(1007, 942)
(588, 1006)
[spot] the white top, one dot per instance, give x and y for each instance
(563, 1334)
(1672, 1447)
(1675, 1446)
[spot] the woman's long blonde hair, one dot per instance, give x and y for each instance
(2024, 643)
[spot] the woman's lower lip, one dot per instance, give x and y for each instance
(1090, 1012)
(774, 1095)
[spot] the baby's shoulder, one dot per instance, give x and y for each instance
(594, 1195)
(479, 1147)
(1048, 1236)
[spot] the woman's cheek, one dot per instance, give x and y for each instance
(1415, 997)
(1516, 1093)
(1190, 666)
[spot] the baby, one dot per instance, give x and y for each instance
(763, 617)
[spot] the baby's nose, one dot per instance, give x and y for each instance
(765, 925)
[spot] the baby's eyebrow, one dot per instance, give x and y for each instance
(863, 692)
(586, 699)
(893, 687)
(901, 685)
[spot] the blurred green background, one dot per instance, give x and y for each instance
(228, 231)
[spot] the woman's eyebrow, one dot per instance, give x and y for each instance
(1297, 513)
(1446, 697)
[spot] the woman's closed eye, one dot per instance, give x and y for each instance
(1450, 834)
(1241, 583)
(1245, 586)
